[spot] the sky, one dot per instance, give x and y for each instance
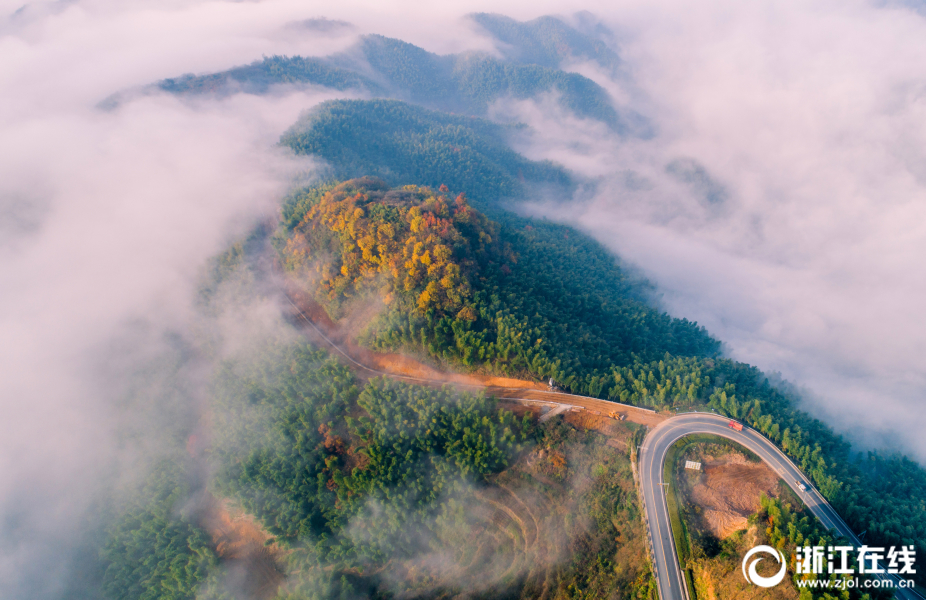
(780, 202)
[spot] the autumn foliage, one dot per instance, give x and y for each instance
(411, 244)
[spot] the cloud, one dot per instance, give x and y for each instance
(781, 202)
(778, 200)
(107, 219)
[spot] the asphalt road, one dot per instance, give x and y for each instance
(651, 459)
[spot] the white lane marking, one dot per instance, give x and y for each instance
(768, 452)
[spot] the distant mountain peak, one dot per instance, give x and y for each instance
(549, 41)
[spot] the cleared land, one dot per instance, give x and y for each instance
(727, 491)
(255, 566)
(717, 503)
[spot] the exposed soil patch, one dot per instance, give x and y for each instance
(519, 410)
(252, 565)
(315, 323)
(727, 491)
(395, 364)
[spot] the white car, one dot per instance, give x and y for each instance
(802, 487)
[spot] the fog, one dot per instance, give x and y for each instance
(107, 219)
(779, 202)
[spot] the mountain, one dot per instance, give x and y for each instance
(548, 41)
(403, 143)
(258, 77)
(465, 83)
(605, 340)
(363, 486)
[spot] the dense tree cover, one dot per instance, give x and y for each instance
(398, 475)
(154, 551)
(406, 144)
(548, 41)
(469, 82)
(787, 527)
(257, 77)
(454, 291)
(333, 453)
(563, 290)
(563, 308)
(409, 242)
(465, 83)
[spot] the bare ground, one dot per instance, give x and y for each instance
(253, 565)
(728, 491)
(724, 494)
(316, 324)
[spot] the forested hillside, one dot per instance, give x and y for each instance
(257, 77)
(573, 283)
(420, 250)
(456, 287)
(406, 144)
(334, 448)
(465, 83)
(469, 82)
(156, 550)
(379, 489)
(353, 479)
(549, 42)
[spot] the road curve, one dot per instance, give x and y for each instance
(651, 460)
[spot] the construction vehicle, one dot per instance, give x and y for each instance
(616, 415)
(736, 426)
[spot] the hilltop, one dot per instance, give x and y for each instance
(414, 243)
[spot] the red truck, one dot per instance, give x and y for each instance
(736, 426)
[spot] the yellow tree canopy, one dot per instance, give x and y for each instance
(409, 242)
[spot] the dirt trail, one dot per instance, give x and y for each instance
(319, 327)
(392, 364)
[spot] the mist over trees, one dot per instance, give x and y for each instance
(419, 216)
(466, 83)
(880, 494)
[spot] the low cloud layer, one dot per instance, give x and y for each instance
(781, 202)
(106, 221)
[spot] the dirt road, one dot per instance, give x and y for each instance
(319, 327)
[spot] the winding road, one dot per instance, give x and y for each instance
(651, 460)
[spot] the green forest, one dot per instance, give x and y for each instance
(464, 83)
(466, 292)
(374, 488)
(547, 41)
(156, 550)
(351, 478)
(335, 448)
(574, 286)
